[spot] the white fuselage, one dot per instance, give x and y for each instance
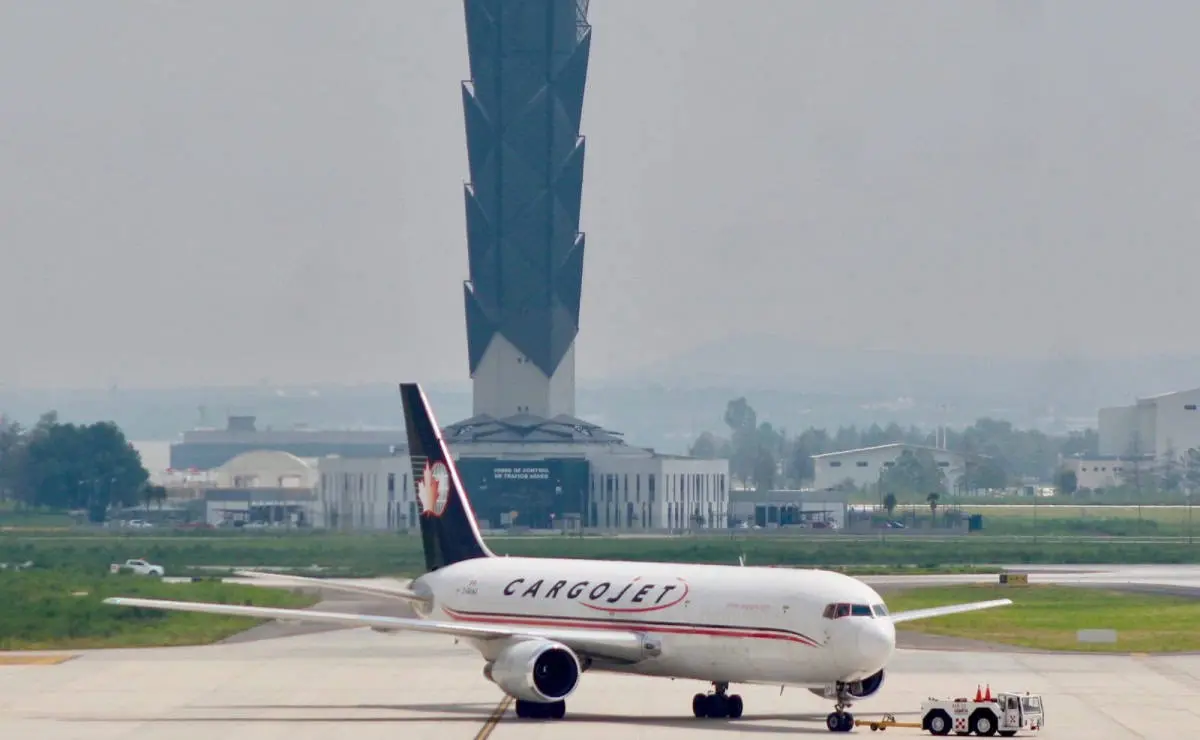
(711, 622)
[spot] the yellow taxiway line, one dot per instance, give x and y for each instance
(17, 659)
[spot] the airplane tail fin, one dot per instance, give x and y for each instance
(449, 531)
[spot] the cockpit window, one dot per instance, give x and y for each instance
(837, 611)
(880, 610)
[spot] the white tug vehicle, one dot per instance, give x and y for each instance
(1005, 714)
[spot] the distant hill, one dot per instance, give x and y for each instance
(766, 362)
(665, 405)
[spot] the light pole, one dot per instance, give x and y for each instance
(1189, 505)
(886, 520)
(1035, 513)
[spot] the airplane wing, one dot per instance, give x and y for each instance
(942, 611)
(611, 644)
(357, 588)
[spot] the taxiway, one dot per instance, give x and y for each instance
(363, 685)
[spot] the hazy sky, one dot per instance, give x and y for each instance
(225, 191)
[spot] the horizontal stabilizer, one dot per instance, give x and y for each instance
(943, 611)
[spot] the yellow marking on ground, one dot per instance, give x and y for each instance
(34, 659)
(494, 719)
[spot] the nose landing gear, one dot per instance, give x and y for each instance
(718, 704)
(840, 720)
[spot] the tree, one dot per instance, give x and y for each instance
(1133, 473)
(889, 504)
(1084, 444)
(1169, 470)
(799, 464)
(740, 415)
(997, 453)
(769, 447)
(152, 494)
(932, 499)
(12, 451)
(743, 425)
(983, 473)
(64, 466)
(709, 446)
(1067, 482)
(765, 468)
(914, 473)
(1191, 469)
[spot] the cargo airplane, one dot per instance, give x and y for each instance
(541, 623)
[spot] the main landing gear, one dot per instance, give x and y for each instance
(539, 710)
(718, 704)
(840, 720)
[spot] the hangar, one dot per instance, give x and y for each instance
(1153, 427)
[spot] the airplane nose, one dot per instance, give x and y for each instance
(876, 643)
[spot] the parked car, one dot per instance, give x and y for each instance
(137, 566)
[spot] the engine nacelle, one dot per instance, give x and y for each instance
(535, 670)
(855, 689)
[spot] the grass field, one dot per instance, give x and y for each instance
(1112, 521)
(1067, 520)
(1160, 514)
(53, 611)
(1048, 617)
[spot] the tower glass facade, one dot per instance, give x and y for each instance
(522, 109)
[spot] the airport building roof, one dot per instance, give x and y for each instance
(898, 446)
(529, 429)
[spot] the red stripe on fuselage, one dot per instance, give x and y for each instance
(631, 626)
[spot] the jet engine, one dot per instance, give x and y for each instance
(855, 689)
(535, 670)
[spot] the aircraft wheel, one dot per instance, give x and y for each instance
(700, 705)
(539, 710)
(734, 707)
(718, 706)
(839, 722)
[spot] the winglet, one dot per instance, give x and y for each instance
(944, 611)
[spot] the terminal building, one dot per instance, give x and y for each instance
(536, 474)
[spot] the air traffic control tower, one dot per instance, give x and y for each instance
(522, 107)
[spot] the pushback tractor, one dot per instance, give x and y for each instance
(1005, 714)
